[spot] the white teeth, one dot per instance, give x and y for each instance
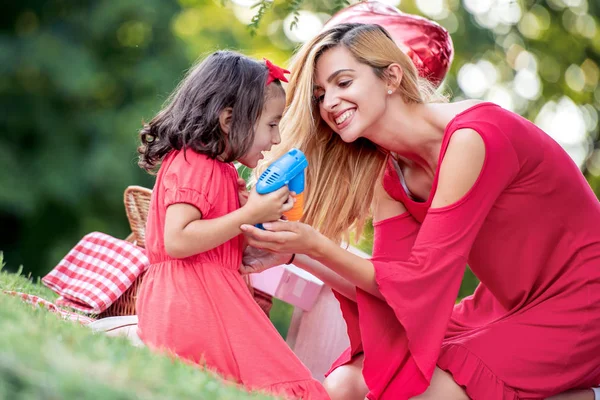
(344, 116)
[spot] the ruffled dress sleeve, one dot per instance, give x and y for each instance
(393, 239)
(193, 179)
(421, 289)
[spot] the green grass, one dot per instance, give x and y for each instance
(44, 357)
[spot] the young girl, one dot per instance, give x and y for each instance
(193, 301)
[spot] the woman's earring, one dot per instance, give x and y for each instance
(389, 91)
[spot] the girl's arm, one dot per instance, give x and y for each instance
(243, 195)
(187, 234)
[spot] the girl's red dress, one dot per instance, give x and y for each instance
(530, 231)
(199, 308)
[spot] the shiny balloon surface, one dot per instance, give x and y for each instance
(427, 43)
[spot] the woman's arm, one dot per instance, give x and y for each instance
(457, 175)
(384, 207)
(356, 270)
(329, 277)
(337, 267)
(299, 238)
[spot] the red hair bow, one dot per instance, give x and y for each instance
(275, 72)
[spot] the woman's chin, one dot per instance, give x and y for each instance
(348, 133)
(348, 136)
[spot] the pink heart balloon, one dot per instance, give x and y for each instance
(427, 43)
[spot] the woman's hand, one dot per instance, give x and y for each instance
(242, 192)
(268, 207)
(285, 237)
(257, 260)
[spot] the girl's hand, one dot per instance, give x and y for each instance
(268, 207)
(285, 237)
(242, 192)
(257, 260)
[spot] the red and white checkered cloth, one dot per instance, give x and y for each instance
(96, 272)
(39, 302)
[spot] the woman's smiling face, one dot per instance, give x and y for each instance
(350, 97)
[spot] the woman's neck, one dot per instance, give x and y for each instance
(413, 132)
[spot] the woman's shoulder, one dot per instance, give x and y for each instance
(445, 114)
(465, 105)
(467, 109)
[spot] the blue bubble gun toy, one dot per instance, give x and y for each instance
(286, 170)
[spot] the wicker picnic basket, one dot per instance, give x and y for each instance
(137, 204)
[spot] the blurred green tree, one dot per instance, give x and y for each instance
(76, 82)
(77, 79)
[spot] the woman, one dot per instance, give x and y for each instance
(451, 184)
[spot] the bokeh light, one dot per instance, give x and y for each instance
(590, 116)
(394, 3)
(549, 69)
(478, 7)
(502, 96)
(244, 14)
(493, 14)
(134, 34)
(309, 24)
(450, 22)
(188, 22)
(564, 121)
(435, 9)
(527, 84)
(575, 78)
(472, 80)
(245, 3)
(592, 74)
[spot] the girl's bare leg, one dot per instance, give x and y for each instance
(347, 382)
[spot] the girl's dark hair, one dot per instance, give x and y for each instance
(190, 118)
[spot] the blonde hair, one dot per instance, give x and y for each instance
(341, 176)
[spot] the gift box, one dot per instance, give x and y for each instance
(290, 284)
